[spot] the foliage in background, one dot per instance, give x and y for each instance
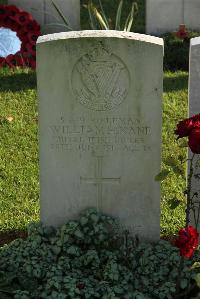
(91, 258)
(99, 20)
(110, 7)
(177, 51)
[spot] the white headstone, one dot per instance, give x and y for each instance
(166, 15)
(163, 16)
(191, 14)
(100, 126)
(46, 15)
(194, 101)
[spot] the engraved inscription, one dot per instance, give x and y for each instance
(99, 180)
(100, 135)
(100, 80)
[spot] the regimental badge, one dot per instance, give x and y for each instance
(100, 79)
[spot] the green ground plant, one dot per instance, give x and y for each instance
(92, 258)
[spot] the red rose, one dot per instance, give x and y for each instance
(196, 119)
(194, 141)
(187, 241)
(184, 127)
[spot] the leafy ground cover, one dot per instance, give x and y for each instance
(19, 180)
(93, 258)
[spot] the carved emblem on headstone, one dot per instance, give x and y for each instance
(100, 80)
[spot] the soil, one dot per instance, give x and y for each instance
(7, 237)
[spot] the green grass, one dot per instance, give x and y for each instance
(18, 150)
(19, 183)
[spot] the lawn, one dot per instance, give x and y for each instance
(19, 175)
(19, 167)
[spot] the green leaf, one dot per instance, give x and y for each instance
(171, 161)
(197, 279)
(93, 23)
(103, 13)
(118, 16)
(174, 203)
(183, 283)
(100, 19)
(162, 175)
(195, 265)
(79, 234)
(130, 18)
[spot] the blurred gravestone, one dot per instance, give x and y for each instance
(166, 15)
(100, 127)
(46, 15)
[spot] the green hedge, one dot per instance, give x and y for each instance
(177, 51)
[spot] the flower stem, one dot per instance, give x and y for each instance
(189, 190)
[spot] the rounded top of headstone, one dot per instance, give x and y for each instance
(100, 34)
(195, 41)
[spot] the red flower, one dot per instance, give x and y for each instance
(33, 26)
(33, 37)
(182, 33)
(31, 49)
(27, 30)
(14, 60)
(23, 18)
(187, 241)
(185, 127)
(194, 141)
(12, 10)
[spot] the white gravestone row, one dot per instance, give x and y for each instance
(46, 15)
(100, 120)
(194, 106)
(166, 15)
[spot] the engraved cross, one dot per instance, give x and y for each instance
(99, 180)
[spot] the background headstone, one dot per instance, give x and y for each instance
(166, 15)
(45, 14)
(194, 101)
(100, 126)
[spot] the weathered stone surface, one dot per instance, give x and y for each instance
(45, 14)
(163, 16)
(100, 126)
(191, 14)
(194, 103)
(166, 15)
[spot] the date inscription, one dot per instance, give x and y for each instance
(100, 135)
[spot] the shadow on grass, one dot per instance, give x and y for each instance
(175, 82)
(17, 81)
